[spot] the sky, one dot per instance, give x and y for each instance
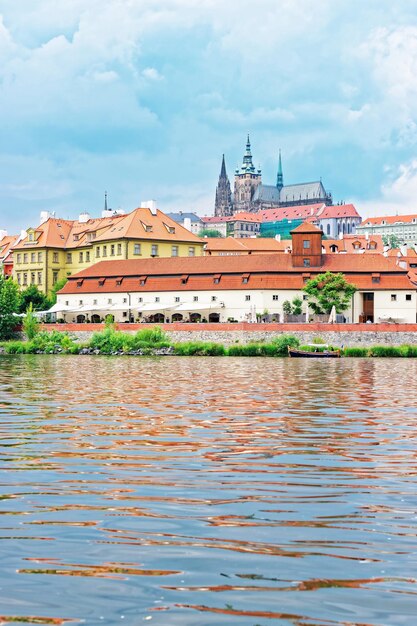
(140, 98)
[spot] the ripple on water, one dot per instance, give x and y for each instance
(200, 491)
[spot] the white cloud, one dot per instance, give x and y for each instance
(398, 196)
(151, 74)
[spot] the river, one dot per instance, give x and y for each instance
(201, 491)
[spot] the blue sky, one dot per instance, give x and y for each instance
(142, 97)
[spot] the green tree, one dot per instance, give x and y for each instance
(328, 290)
(210, 232)
(9, 306)
(286, 307)
(30, 323)
(32, 296)
(296, 306)
(57, 287)
(393, 241)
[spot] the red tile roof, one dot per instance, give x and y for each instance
(391, 219)
(291, 212)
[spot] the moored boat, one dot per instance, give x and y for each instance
(314, 353)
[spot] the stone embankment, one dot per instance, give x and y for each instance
(348, 335)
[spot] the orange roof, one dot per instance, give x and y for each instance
(339, 210)
(215, 244)
(244, 216)
(245, 245)
(139, 224)
(291, 212)
(6, 245)
(391, 219)
(265, 271)
(371, 244)
(306, 227)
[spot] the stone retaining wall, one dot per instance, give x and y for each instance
(348, 335)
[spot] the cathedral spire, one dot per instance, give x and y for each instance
(223, 205)
(280, 176)
(247, 164)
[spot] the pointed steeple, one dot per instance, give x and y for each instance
(223, 169)
(247, 164)
(280, 176)
(223, 204)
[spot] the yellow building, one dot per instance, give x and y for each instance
(58, 248)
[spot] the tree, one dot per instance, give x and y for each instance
(32, 296)
(329, 290)
(296, 306)
(57, 287)
(393, 241)
(286, 307)
(9, 306)
(30, 323)
(210, 232)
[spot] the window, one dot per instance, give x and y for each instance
(140, 299)
(195, 298)
(66, 302)
(76, 237)
(393, 297)
(25, 278)
(25, 257)
(112, 249)
(33, 257)
(39, 257)
(94, 301)
(136, 248)
(81, 257)
(174, 251)
(191, 251)
(104, 250)
(109, 301)
(80, 302)
(376, 279)
(247, 298)
(87, 257)
(124, 300)
(328, 229)
(39, 278)
(119, 249)
(69, 257)
(213, 298)
(30, 236)
(304, 297)
(19, 259)
(177, 299)
(306, 262)
(156, 298)
(54, 278)
(306, 244)
(32, 278)
(19, 278)
(408, 296)
(275, 297)
(154, 251)
(55, 257)
(98, 252)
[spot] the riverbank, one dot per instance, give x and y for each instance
(153, 341)
(348, 335)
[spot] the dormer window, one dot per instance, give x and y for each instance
(245, 278)
(101, 282)
(119, 280)
(376, 278)
(76, 237)
(216, 278)
(142, 280)
(30, 236)
(80, 283)
(147, 227)
(184, 279)
(372, 245)
(170, 229)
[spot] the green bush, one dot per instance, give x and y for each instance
(30, 323)
(385, 351)
(152, 335)
(282, 342)
(355, 352)
(199, 348)
(15, 347)
(408, 351)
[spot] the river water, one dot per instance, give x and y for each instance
(197, 491)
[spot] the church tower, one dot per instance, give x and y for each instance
(247, 180)
(223, 204)
(280, 176)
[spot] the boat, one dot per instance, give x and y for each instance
(314, 353)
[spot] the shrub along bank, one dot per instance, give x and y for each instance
(154, 342)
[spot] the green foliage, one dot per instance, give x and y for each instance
(57, 287)
(210, 232)
(296, 306)
(199, 348)
(283, 341)
(30, 323)
(328, 290)
(9, 306)
(44, 342)
(32, 296)
(318, 340)
(152, 335)
(286, 307)
(355, 352)
(393, 241)
(386, 351)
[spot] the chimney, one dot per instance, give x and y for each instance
(83, 217)
(187, 223)
(3, 233)
(278, 237)
(44, 216)
(106, 213)
(149, 204)
(403, 249)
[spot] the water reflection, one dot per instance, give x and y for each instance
(206, 491)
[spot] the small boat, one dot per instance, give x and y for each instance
(314, 353)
